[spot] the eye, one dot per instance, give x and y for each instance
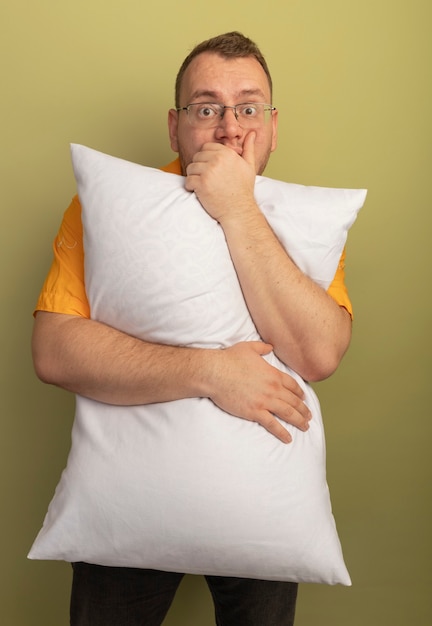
(249, 110)
(206, 111)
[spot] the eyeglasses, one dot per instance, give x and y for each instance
(209, 114)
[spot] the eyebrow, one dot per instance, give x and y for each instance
(214, 97)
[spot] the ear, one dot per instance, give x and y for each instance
(172, 128)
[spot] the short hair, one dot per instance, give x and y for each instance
(228, 45)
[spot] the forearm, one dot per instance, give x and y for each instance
(102, 363)
(306, 327)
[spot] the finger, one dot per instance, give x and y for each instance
(205, 152)
(194, 167)
(191, 182)
(274, 427)
(292, 385)
(260, 347)
(291, 409)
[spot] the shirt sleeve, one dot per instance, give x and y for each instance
(64, 290)
(338, 290)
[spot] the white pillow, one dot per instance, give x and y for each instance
(183, 486)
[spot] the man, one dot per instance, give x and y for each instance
(224, 129)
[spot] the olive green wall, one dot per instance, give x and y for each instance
(353, 85)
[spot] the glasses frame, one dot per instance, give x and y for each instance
(223, 108)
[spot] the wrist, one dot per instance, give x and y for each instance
(200, 371)
(241, 214)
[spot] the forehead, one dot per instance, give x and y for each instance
(226, 80)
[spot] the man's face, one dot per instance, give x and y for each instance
(213, 78)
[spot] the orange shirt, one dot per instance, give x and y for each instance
(64, 289)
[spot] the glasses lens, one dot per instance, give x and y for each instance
(204, 114)
(251, 114)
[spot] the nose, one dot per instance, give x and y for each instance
(228, 125)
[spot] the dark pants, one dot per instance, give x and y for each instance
(120, 596)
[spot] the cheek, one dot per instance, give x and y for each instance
(190, 142)
(263, 149)
(264, 144)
